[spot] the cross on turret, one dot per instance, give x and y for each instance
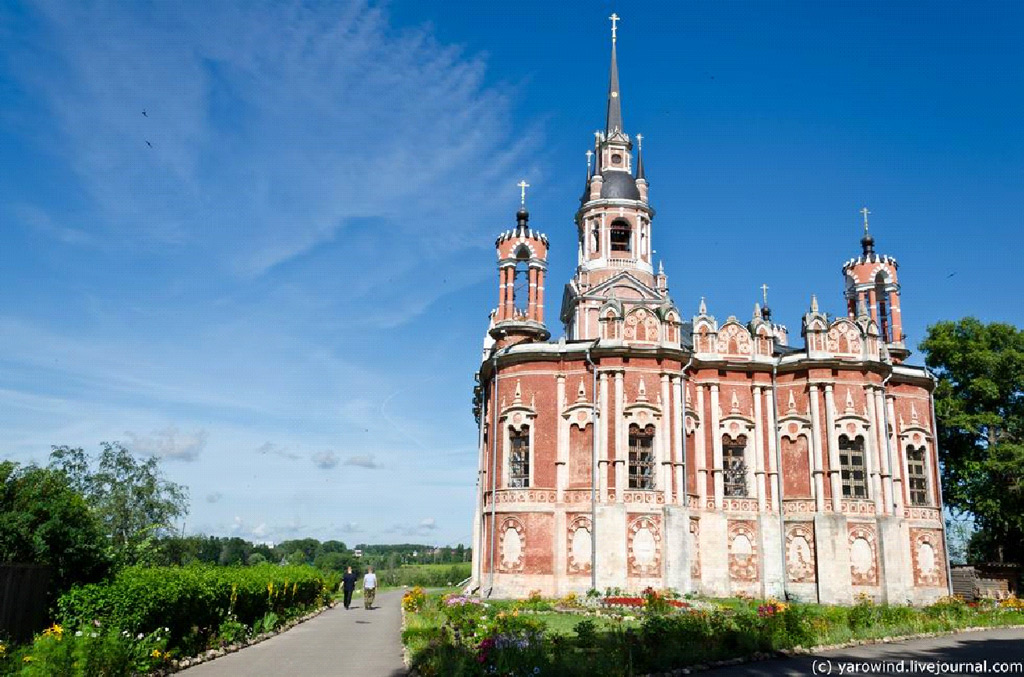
(523, 185)
(615, 20)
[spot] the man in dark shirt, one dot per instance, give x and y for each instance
(348, 585)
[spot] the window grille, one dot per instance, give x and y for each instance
(917, 477)
(851, 465)
(641, 457)
(734, 465)
(519, 459)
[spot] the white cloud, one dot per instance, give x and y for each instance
(276, 450)
(214, 497)
(363, 461)
(325, 460)
(169, 443)
(428, 523)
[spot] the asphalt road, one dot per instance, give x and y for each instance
(335, 643)
(991, 652)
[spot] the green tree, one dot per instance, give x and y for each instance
(979, 406)
(44, 521)
(131, 497)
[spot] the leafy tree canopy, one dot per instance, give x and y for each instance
(979, 406)
(133, 501)
(44, 521)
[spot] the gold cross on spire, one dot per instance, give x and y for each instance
(615, 19)
(865, 212)
(764, 293)
(523, 185)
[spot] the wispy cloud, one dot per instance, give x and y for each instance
(227, 277)
(169, 443)
(363, 462)
(269, 448)
(328, 129)
(325, 460)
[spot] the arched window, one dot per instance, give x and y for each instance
(521, 281)
(621, 237)
(641, 457)
(595, 239)
(884, 317)
(916, 476)
(851, 467)
(734, 465)
(519, 457)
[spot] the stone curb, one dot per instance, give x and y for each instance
(807, 651)
(214, 654)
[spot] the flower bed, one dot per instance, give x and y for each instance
(469, 636)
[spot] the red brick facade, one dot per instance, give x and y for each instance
(724, 459)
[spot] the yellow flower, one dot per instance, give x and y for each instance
(27, 659)
(155, 653)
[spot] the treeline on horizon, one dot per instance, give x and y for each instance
(331, 555)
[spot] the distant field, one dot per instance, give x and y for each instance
(426, 575)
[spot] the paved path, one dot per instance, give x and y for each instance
(337, 642)
(995, 646)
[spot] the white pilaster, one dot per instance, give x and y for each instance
(759, 451)
(700, 451)
(602, 442)
(819, 480)
(876, 453)
(716, 448)
(899, 470)
(833, 450)
(665, 445)
(562, 449)
(773, 470)
(678, 426)
(620, 439)
(883, 450)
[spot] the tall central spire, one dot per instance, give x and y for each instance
(614, 120)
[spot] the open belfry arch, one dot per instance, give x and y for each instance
(705, 455)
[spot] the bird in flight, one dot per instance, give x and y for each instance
(950, 275)
(144, 113)
(149, 144)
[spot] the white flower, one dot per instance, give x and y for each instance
(78, 634)
(139, 636)
(93, 634)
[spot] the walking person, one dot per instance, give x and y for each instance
(348, 585)
(369, 587)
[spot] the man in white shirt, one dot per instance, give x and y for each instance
(369, 587)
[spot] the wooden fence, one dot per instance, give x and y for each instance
(23, 605)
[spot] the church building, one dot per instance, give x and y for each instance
(720, 457)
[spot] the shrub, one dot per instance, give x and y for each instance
(194, 601)
(586, 633)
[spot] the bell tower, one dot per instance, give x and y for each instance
(613, 223)
(871, 283)
(522, 267)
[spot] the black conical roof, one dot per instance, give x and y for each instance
(613, 122)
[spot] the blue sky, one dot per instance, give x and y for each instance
(285, 296)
